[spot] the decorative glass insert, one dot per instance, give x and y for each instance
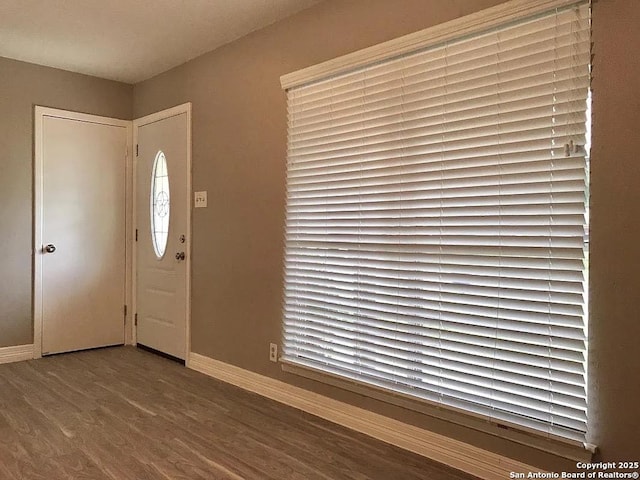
(160, 204)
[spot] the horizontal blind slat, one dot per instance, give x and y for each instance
(433, 358)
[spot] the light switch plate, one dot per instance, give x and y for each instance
(200, 199)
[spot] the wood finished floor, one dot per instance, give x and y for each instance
(122, 413)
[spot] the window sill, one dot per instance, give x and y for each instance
(564, 448)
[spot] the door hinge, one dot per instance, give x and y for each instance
(135, 321)
(136, 234)
(125, 310)
(136, 149)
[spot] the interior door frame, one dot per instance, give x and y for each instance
(40, 114)
(184, 108)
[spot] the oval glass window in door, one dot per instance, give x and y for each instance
(160, 204)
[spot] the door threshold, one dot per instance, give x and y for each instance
(161, 354)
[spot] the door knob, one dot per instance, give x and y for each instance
(50, 248)
(180, 256)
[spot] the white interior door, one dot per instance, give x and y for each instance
(83, 234)
(162, 222)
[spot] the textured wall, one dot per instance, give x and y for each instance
(615, 231)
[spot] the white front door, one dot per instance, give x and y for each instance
(80, 232)
(162, 222)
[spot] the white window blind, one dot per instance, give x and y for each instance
(436, 223)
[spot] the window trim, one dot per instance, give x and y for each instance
(562, 447)
(429, 37)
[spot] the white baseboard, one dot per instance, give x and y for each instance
(456, 454)
(16, 354)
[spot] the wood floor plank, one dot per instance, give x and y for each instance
(125, 414)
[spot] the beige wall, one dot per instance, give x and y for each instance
(614, 374)
(239, 141)
(22, 86)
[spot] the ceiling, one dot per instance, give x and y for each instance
(129, 40)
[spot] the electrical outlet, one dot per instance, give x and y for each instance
(273, 352)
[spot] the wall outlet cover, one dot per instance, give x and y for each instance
(273, 352)
(200, 199)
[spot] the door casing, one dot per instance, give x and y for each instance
(40, 114)
(185, 108)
